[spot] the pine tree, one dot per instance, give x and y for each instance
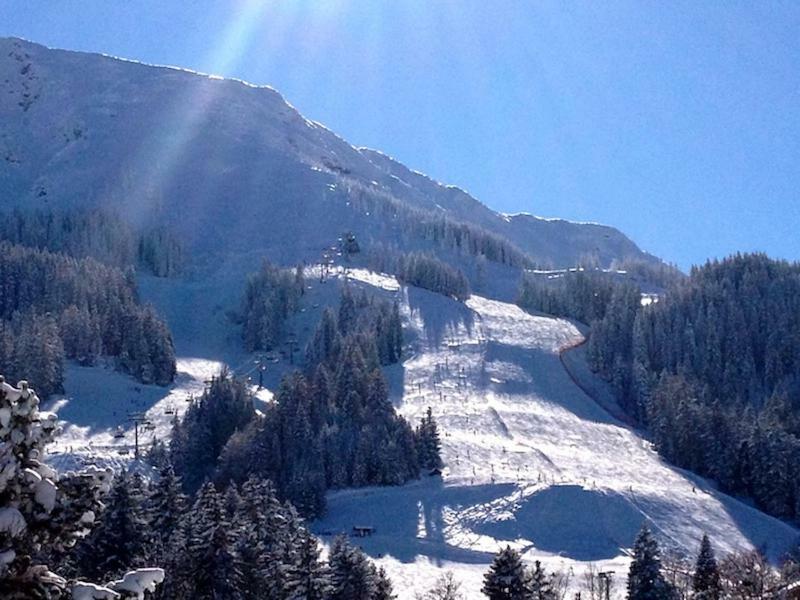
(507, 578)
(347, 311)
(263, 545)
(352, 575)
(706, 579)
(307, 578)
(215, 571)
(645, 580)
(429, 444)
(119, 540)
(540, 584)
(40, 519)
(383, 585)
(164, 509)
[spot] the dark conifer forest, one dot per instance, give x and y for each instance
(711, 370)
(80, 309)
(331, 426)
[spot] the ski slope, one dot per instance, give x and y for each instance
(531, 460)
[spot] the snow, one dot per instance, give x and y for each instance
(99, 400)
(183, 142)
(45, 494)
(136, 583)
(531, 460)
(133, 584)
(12, 522)
(89, 591)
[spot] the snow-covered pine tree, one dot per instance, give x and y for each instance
(429, 444)
(308, 577)
(165, 506)
(645, 580)
(507, 578)
(215, 571)
(540, 583)
(383, 585)
(706, 581)
(119, 541)
(38, 517)
(263, 543)
(352, 575)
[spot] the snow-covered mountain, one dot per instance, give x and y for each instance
(531, 460)
(232, 167)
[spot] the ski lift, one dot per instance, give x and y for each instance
(149, 427)
(119, 433)
(169, 410)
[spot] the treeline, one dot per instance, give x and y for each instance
(713, 371)
(581, 295)
(331, 426)
(586, 293)
(78, 309)
(651, 576)
(443, 232)
(641, 272)
(161, 253)
(235, 542)
(428, 272)
(271, 295)
(95, 234)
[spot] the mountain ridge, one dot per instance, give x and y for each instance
(211, 156)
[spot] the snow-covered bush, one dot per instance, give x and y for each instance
(42, 513)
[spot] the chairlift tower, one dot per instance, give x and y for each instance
(291, 341)
(261, 365)
(137, 419)
(605, 583)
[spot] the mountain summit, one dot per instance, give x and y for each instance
(231, 167)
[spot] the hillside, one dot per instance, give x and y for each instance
(237, 174)
(223, 162)
(531, 461)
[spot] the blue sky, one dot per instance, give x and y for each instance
(677, 122)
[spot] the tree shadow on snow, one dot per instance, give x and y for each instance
(439, 319)
(570, 521)
(409, 521)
